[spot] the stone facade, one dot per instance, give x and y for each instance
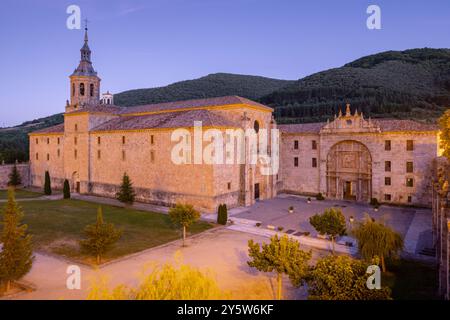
(441, 223)
(357, 159)
(22, 168)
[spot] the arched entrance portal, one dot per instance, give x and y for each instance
(349, 171)
(76, 182)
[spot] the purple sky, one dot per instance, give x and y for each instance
(148, 43)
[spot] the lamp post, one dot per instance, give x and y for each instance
(351, 220)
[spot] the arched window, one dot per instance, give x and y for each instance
(256, 126)
(73, 89)
(81, 89)
(91, 89)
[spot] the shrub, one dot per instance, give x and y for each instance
(258, 224)
(280, 228)
(374, 202)
(47, 184)
(320, 196)
(66, 189)
(126, 193)
(14, 178)
(222, 214)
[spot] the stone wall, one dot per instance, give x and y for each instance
(441, 223)
(5, 170)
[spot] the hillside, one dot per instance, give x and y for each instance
(213, 85)
(411, 84)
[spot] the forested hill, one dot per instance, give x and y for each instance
(402, 84)
(213, 85)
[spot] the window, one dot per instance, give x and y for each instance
(99, 154)
(81, 89)
(152, 139)
(387, 181)
(409, 167)
(48, 157)
(387, 197)
(409, 145)
(314, 145)
(387, 166)
(409, 199)
(409, 182)
(59, 153)
(229, 185)
(75, 153)
(296, 144)
(73, 89)
(58, 140)
(123, 139)
(91, 89)
(349, 122)
(37, 141)
(48, 140)
(37, 156)
(387, 145)
(76, 127)
(295, 162)
(152, 156)
(314, 162)
(99, 140)
(123, 155)
(256, 126)
(75, 140)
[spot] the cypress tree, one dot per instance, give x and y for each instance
(14, 177)
(47, 184)
(222, 214)
(66, 189)
(126, 193)
(16, 257)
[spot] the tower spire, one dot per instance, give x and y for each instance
(86, 31)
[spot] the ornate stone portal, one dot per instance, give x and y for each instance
(349, 171)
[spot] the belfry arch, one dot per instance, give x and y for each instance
(349, 171)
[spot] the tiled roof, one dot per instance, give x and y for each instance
(197, 103)
(301, 127)
(166, 120)
(59, 128)
(99, 108)
(393, 125)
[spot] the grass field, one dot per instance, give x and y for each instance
(57, 226)
(20, 194)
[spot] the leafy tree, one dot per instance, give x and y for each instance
(126, 193)
(16, 256)
(331, 222)
(283, 256)
(14, 177)
(170, 281)
(222, 214)
(47, 184)
(342, 278)
(100, 237)
(444, 123)
(66, 189)
(377, 241)
(183, 215)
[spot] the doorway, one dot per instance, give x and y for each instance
(256, 191)
(348, 191)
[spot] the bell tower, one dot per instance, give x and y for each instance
(84, 82)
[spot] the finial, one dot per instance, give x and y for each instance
(356, 112)
(340, 113)
(86, 30)
(347, 110)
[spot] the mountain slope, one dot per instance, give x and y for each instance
(213, 85)
(403, 84)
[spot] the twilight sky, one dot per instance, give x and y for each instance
(148, 43)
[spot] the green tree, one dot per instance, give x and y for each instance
(170, 281)
(444, 123)
(377, 241)
(282, 256)
(47, 184)
(342, 278)
(222, 214)
(14, 177)
(126, 193)
(331, 222)
(16, 256)
(66, 189)
(100, 237)
(183, 215)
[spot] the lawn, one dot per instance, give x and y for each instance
(20, 194)
(57, 226)
(411, 280)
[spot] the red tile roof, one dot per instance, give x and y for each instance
(166, 120)
(100, 108)
(197, 103)
(59, 128)
(301, 127)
